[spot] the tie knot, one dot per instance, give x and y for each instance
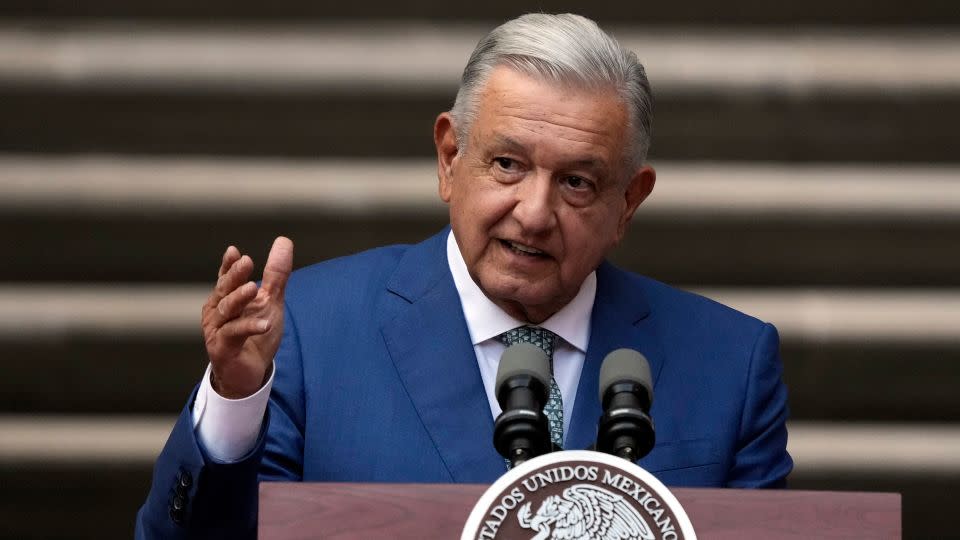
(541, 337)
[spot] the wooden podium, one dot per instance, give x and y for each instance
(292, 510)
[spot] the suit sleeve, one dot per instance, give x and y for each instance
(762, 460)
(194, 496)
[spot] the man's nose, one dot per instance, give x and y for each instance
(535, 203)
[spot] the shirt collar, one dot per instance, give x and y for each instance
(485, 320)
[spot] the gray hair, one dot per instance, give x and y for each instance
(564, 48)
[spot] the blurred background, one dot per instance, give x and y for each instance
(809, 174)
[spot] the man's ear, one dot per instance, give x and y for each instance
(638, 189)
(445, 139)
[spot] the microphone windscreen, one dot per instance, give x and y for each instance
(625, 365)
(524, 359)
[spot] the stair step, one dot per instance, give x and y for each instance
(817, 447)
(741, 12)
(791, 95)
(805, 315)
(62, 474)
(843, 343)
(425, 58)
(122, 219)
(104, 185)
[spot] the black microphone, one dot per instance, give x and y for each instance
(522, 432)
(626, 393)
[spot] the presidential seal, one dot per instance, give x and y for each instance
(578, 495)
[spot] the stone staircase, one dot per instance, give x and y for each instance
(808, 174)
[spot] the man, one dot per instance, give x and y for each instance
(380, 367)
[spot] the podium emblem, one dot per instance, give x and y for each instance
(578, 495)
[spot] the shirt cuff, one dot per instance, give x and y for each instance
(228, 428)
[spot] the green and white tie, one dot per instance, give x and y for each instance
(546, 340)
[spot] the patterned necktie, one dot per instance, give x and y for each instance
(546, 340)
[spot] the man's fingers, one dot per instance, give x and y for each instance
(279, 265)
(235, 276)
(237, 310)
(232, 305)
(230, 256)
(236, 331)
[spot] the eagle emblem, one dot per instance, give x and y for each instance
(585, 512)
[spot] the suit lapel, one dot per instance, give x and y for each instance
(430, 345)
(620, 318)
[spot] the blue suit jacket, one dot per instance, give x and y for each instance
(377, 381)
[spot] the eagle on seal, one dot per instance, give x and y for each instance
(585, 512)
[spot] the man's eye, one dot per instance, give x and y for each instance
(505, 163)
(576, 182)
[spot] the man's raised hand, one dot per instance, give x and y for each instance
(242, 324)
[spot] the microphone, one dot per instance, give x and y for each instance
(522, 432)
(626, 393)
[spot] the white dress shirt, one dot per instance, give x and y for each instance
(228, 428)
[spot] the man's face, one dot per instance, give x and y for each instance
(540, 194)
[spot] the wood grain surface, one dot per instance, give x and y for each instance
(300, 511)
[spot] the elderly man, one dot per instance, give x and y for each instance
(380, 367)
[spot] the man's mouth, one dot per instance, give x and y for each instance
(522, 249)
